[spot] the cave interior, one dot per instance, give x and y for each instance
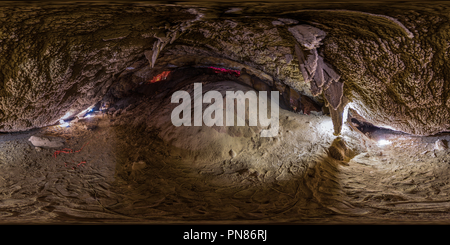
(110, 112)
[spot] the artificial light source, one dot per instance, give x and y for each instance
(67, 115)
(384, 142)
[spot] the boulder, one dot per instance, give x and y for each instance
(137, 166)
(47, 141)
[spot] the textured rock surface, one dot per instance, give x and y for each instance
(51, 142)
(440, 145)
(391, 62)
(58, 60)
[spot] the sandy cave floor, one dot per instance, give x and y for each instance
(287, 179)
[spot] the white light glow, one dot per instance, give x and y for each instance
(89, 115)
(64, 125)
(87, 110)
(384, 142)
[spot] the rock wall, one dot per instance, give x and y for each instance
(389, 62)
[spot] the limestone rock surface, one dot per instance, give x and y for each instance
(46, 141)
(390, 62)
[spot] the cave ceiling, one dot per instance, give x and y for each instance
(386, 62)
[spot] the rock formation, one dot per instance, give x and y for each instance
(390, 62)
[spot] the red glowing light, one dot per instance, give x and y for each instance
(223, 70)
(162, 76)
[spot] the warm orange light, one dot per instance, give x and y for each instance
(162, 76)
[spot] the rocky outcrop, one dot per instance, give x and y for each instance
(390, 63)
(394, 74)
(440, 145)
